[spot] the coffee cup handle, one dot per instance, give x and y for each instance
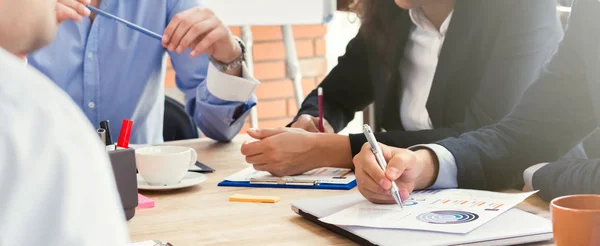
(193, 157)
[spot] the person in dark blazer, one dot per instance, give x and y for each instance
(433, 69)
(556, 113)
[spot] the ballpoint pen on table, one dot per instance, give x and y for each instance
(381, 161)
(320, 99)
(127, 23)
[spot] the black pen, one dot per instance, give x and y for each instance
(105, 124)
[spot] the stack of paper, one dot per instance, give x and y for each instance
(452, 211)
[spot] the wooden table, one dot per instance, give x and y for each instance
(202, 215)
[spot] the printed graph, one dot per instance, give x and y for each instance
(487, 206)
(431, 192)
(447, 217)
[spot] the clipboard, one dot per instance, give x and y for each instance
(252, 178)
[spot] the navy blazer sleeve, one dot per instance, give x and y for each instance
(554, 115)
(526, 40)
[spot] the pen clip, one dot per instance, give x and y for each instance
(283, 181)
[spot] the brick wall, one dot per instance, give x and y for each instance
(276, 105)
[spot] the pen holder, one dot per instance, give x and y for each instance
(123, 165)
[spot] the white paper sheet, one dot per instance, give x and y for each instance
(451, 211)
(323, 175)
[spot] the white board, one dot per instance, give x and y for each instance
(273, 12)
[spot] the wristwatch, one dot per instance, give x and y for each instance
(236, 63)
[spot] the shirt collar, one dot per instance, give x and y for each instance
(420, 20)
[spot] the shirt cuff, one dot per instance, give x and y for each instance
(529, 172)
(228, 87)
(447, 174)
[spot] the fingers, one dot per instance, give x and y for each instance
(366, 182)
(276, 169)
(328, 127)
(196, 32)
(401, 161)
(370, 189)
(257, 159)
(261, 152)
(264, 146)
(182, 30)
(404, 194)
(64, 13)
(179, 26)
(260, 167)
(366, 161)
(376, 197)
(307, 123)
(252, 149)
(78, 6)
(172, 28)
(71, 9)
(214, 34)
(265, 133)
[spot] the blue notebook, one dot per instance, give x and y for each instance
(321, 178)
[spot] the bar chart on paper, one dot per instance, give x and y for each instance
(459, 199)
(489, 206)
(451, 211)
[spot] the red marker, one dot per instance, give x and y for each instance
(125, 134)
(320, 98)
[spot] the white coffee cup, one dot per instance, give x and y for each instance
(164, 165)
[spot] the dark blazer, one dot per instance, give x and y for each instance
(556, 113)
(492, 52)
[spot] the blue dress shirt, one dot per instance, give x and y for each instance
(113, 73)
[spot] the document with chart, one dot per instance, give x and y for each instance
(451, 210)
(320, 178)
(321, 175)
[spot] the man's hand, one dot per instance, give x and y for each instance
(203, 32)
(311, 123)
(282, 151)
(410, 170)
(71, 10)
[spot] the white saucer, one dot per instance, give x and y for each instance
(190, 179)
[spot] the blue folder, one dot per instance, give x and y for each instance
(322, 186)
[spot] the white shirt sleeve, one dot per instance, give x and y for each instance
(56, 181)
(447, 174)
(228, 87)
(529, 172)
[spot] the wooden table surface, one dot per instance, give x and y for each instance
(202, 215)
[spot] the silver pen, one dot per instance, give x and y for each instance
(102, 134)
(381, 161)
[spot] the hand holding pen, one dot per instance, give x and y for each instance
(315, 124)
(201, 31)
(405, 169)
(197, 29)
(71, 10)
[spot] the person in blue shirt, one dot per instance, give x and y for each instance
(113, 72)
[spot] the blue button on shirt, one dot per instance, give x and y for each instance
(113, 73)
